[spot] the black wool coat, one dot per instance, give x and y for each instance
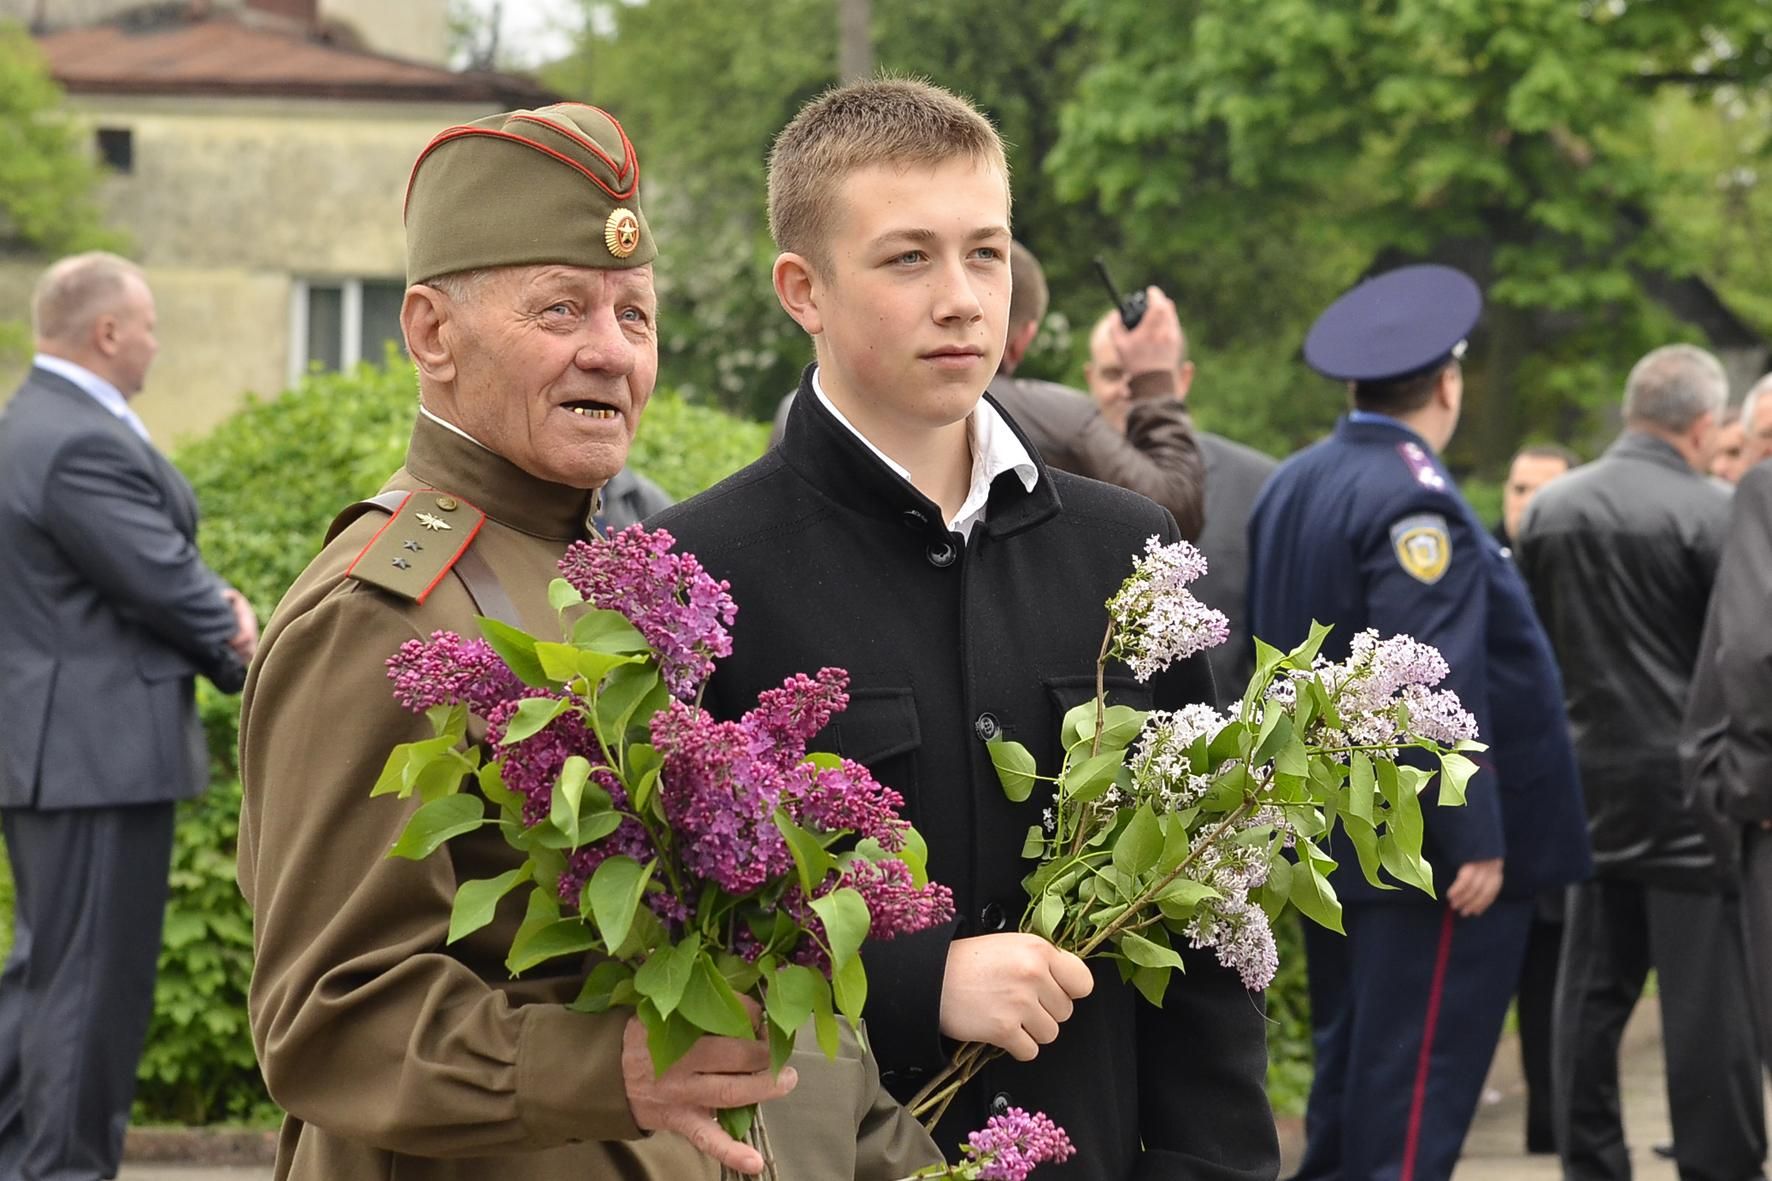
(835, 560)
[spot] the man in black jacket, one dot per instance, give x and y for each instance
(906, 531)
(1620, 556)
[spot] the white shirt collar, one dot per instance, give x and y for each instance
(451, 427)
(96, 387)
(995, 450)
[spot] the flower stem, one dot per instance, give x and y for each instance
(1107, 639)
(1151, 891)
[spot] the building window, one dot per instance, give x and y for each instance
(116, 148)
(336, 323)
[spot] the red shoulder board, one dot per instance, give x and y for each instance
(426, 536)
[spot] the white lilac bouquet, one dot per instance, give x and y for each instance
(1198, 828)
(695, 861)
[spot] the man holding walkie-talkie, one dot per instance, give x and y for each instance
(1156, 454)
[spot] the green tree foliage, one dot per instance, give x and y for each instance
(703, 86)
(46, 179)
(269, 480)
(1511, 138)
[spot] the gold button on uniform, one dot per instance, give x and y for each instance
(448, 504)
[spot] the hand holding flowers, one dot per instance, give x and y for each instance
(716, 875)
(1197, 828)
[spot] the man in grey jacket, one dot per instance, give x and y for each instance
(107, 614)
(1234, 475)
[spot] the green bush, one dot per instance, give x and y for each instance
(270, 479)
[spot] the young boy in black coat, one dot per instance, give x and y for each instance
(904, 530)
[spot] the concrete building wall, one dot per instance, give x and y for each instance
(230, 206)
(414, 29)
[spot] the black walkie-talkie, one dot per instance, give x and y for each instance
(1132, 307)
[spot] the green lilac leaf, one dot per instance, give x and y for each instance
(437, 822)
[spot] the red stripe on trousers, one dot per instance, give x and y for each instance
(1412, 1141)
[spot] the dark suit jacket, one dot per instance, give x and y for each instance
(834, 560)
(106, 610)
(1234, 476)
(1727, 737)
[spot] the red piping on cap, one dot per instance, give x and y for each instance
(455, 133)
(590, 145)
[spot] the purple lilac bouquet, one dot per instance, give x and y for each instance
(1008, 1148)
(1198, 828)
(698, 861)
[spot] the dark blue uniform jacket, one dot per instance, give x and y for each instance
(1327, 541)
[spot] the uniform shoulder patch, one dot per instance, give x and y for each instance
(1421, 465)
(1423, 545)
(425, 537)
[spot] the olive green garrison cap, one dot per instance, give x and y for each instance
(559, 184)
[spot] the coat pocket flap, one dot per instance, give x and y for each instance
(878, 724)
(1069, 692)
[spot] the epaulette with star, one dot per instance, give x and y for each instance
(427, 534)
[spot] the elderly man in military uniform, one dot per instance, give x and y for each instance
(531, 319)
(1366, 530)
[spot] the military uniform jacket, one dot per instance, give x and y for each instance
(394, 1055)
(1366, 530)
(107, 612)
(835, 560)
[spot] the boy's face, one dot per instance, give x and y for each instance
(913, 303)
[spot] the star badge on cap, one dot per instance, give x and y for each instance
(1423, 545)
(621, 233)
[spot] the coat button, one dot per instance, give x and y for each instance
(1000, 1103)
(986, 727)
(942, 554)
(991, 917)
(914, 519)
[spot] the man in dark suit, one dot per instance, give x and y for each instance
(1234, 476)
(107, 614)
(1366, 529)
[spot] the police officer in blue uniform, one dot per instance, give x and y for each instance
(1366, 530)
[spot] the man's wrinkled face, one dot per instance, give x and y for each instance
(1728, 463)
(1109, 383)
(912, 301)
(1528, 474)
(554, 365)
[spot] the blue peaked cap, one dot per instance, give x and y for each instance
(1395, 324)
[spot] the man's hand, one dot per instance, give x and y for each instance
(244, 641)
(1155, 345)
(717, 1072)
(1010, 990)
(1476, 886)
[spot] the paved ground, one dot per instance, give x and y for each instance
(1493, 1152)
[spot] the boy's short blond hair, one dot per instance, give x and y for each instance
(898, 121)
